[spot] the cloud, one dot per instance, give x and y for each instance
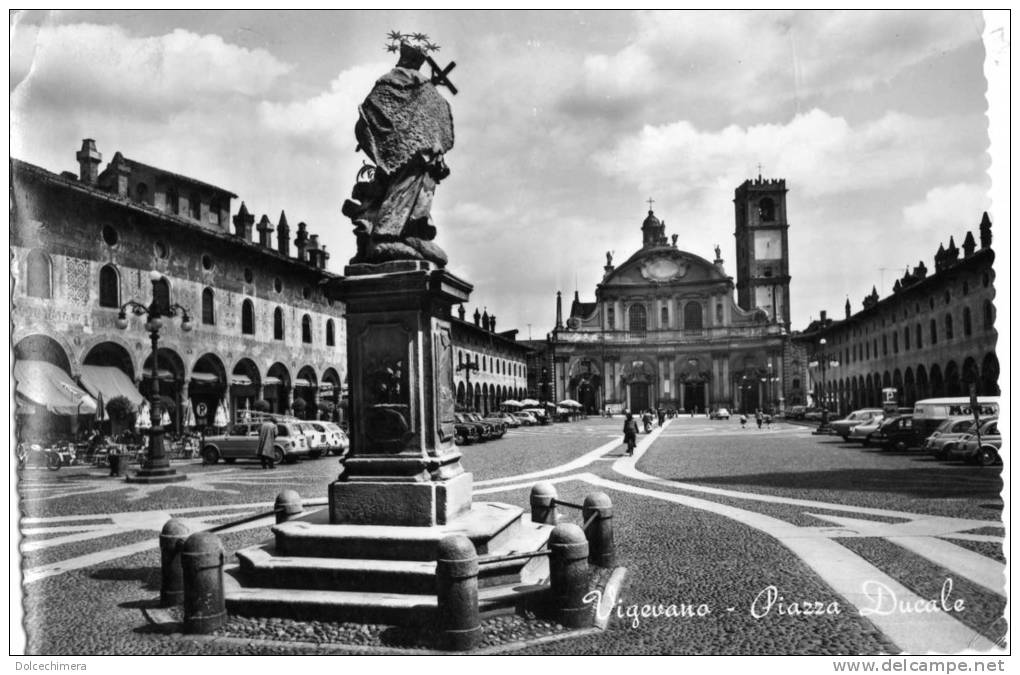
(696, 64)
(823, 153)
(949, 207)
(325, 119)
(81, 66)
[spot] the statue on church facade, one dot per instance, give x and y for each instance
(406, 128)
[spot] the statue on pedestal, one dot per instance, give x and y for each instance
(406, 128)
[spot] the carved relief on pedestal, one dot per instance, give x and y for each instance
(445, 397)
(386, 397)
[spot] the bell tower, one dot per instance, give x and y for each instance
(763, 252)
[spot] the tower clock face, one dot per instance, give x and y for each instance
(768, 245)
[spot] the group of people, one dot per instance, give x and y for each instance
(760, 418)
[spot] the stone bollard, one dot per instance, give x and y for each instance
(568, 575)
(457, 593)
(205, 609)
(602, 550)
(543, 510)
(171, 587)
(288, 506)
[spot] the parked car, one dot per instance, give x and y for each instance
(947, 433)
(465, 432)
(987, 452)
(526, 418)
(242, 442)
(796, 412)
(899, 433)
(482, 432)
(863, 432)
(844, 426)
(497, 427)
(813, 415)
(336, 440)
(539, 414)
(317, 441)
(719, 414)
(504, 417)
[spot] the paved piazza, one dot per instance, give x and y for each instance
(736, 541)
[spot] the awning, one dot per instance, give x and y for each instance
(240, 380)
(205, 378)
(269, 379)
(47, 385)
(162, 374)
(109, 382)
(302, 382)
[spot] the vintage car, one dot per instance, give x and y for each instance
(947, 433)
(719, 414)
(242, 442)
(497, 427)
(984, 451)
(504, 417)
(844, 426)
(336, 439)
(525, 418)
(475, 431)
(899, 433)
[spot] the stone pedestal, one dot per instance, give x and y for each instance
(403, 467)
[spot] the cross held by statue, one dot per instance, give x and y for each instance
(440, 75)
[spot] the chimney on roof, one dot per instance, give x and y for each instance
(244, 222)
(283, 235)
(265, 232)
(88, 161)
(821, 318)
(301, 241)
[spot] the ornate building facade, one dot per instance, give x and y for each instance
(82, 245)
(490, 367)
(665, 329)
(933, 336)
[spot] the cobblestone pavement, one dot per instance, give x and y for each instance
(764, 541)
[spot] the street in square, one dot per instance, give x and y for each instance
(784, 541)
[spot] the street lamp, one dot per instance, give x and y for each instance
(156, 468)
(823, 361)
(467, 367)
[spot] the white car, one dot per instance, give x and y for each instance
(526, 418)
(317, 441)
(336, 437)
(720, 414)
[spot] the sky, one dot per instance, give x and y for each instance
(566, 124)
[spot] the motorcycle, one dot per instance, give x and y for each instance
(36, 455)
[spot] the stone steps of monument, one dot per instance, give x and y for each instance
(490, 526)
(367, 607)
(265, 566)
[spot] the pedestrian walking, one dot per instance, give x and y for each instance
(267, 437)
(743, 421)
(662, 416)
(630, 431)
(768, 421)
(758, 417)
(647, 419)
(114, 459)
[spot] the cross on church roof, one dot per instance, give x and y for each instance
(650, 202)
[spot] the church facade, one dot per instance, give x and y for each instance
(670, 329)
